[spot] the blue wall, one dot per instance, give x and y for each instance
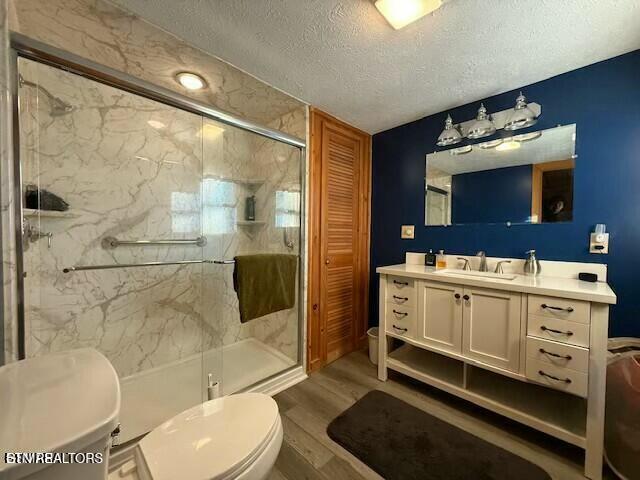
(604, 101)
(492, 196)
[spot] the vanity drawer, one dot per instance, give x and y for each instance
(561, 308)
(401, 320)
(559, 378)
(401, 287)
(558, 330)
(558, 354)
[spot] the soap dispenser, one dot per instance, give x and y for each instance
(532, 264)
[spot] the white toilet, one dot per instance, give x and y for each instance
(70, 401)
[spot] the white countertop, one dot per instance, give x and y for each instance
(599, 292)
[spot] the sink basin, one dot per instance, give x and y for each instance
(471, 273)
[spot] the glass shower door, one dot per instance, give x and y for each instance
(130, 170)
(251, 204)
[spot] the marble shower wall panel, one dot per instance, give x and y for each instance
(129, 168)
(99, 31)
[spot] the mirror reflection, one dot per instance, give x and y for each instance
(526, 178)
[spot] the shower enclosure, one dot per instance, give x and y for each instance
(132, 212)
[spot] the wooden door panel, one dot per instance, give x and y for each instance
(440, 316)
(339, 239)
(340, 166)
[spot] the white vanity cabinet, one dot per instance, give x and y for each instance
(491, 327)
(439, 322)
(530, 348)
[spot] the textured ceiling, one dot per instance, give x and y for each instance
(342, 56)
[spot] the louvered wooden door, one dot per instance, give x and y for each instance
(342, 247)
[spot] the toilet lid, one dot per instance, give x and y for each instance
(211, 440)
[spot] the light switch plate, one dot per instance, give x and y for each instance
(408, 231)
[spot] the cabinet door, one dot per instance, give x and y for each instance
(492, 327)
(440, 316)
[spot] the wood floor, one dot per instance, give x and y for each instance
(308, 408)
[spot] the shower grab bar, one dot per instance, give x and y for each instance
(109, 243)
(80, 268)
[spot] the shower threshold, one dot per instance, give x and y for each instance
(155, 395)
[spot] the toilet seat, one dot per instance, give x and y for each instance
(218, 439)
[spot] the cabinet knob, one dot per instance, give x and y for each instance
(326, 262)
(457, 296)
(466, 297)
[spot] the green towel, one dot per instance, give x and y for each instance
(265, 283)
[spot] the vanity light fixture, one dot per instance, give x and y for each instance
(400, 13)
(482, 126)
(490, 144)
(190, 81)
(508, 145)
(450, 135)
(461, 150)
(521, 116)
(527, 137)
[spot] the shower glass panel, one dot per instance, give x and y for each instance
(251, 204)
(131, 169)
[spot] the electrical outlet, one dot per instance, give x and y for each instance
(408, 231)
(599, 243)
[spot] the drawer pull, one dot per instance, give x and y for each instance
(568, 333)
(551, 307)
(397, 282)
(404, 314)
(564, 380)
(551, 354)
(404, 299)
(400, 328)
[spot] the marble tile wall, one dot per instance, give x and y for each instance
(103, 33)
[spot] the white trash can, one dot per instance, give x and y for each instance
(372, 333)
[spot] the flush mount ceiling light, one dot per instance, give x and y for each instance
(400, 13)
(521, 116)
(482, 126)
(450, 135)
(191, 81)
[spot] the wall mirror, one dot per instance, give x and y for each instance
(526, 178)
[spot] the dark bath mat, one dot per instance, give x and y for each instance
(402, 442)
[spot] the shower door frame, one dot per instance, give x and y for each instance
(25, 47)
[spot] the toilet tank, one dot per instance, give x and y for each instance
(65, 402)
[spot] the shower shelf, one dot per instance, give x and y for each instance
(31, 212)
(250, 223)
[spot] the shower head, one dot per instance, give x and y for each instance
(58, 106)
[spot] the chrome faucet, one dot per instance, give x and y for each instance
(483, 261)
(466, 265)
(499, 266)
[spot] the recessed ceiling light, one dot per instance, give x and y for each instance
(400, 13)
(191, 81)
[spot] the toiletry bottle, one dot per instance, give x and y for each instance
(430, 259)
(441, 260)
(250, 209)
